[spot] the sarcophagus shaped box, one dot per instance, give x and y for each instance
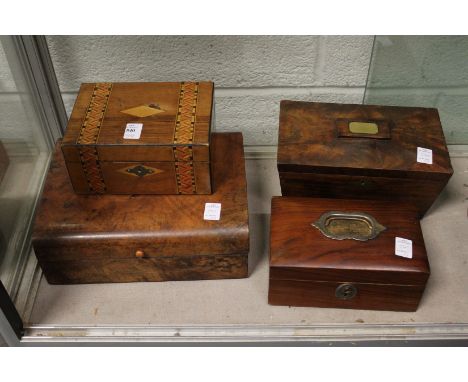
(362, 152)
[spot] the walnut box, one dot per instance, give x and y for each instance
(126, 238)
(362, 152)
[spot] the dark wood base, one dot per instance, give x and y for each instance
(419, 192)
(146, 269)
(403, 298)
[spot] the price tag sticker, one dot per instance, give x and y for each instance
(133, 131)
(403, 247)
(424, 155)
(212, 211)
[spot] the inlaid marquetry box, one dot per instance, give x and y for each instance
(140, 138)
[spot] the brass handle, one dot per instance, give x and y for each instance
(139, 253)
(340, 225)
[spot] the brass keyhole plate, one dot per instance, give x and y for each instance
(345, 291)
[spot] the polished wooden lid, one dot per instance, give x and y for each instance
(166, 115)
(360, 140)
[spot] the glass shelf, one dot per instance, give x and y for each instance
(24, 158)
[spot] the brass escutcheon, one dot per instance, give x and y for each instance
(346, 291)
(140, 171)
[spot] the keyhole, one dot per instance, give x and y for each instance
(348, 292)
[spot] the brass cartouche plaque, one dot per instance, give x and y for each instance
(363, 128)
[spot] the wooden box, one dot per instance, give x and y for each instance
(140, 138)
(4, 161)
(362, 152)
(123, 238)
(314, 261)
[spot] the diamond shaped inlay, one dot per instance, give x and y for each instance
(144, 110)
(140, 170)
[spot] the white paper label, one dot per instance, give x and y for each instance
(424, 155)
(133, 131)
(212, 211)
(403, 247)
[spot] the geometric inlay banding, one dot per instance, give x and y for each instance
(183, 135)
(94, 116)
(185, 177)
(92, 169)
(89, 134)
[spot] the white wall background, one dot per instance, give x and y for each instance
(251, 73)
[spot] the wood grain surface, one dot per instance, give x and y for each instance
(312, 145)
(99, 232)
(420, 192)
(306, 266)
(4, 161)
(402, 298)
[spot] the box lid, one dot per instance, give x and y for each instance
(360, 140)
(141, 121)
(301, 251)
(83, 227)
